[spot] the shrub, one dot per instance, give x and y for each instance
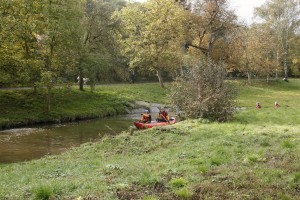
(148, 178)
(184, 193)
(178, 182)
(203, 93)
(43, 193)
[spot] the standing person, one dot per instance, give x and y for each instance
(146, 117)
(163, 115)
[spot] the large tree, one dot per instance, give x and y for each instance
(98, 55)
(212, 24)
(153, 35)
(283, 18)
(57, 39)
(18, 45)
(254, 51)
(37, 36)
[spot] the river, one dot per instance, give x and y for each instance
(23, 144)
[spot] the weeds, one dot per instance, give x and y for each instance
(178, 182)
(42, 193)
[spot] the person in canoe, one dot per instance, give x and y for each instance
(163, 115)
(146, 117)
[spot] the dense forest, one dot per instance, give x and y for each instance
(50, 42)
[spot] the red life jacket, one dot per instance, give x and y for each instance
(164, 114)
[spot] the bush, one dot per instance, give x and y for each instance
(43, 193)
(203, 93)
(178, 182)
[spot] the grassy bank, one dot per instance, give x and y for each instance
(25, 107)
(255, 156)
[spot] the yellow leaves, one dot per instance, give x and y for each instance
(153, 32)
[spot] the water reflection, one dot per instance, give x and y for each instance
(35, 142)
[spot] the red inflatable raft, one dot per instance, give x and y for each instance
(141, 125)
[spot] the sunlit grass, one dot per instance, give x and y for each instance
(255, 156)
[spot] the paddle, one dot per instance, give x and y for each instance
(165, 118)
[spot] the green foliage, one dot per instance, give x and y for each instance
(297, 179)
(41, 36)
(288, 144)
(178, 182)
(43, 193)
(184, 193)
(203, 169)
(148, 178)
(152, 35)
(149, 198)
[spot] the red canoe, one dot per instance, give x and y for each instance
(141, 125)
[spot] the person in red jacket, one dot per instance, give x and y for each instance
(163, 116)
(146, 117)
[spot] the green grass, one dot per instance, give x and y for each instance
(255, 156)
(24, 107)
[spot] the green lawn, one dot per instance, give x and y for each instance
(25, 107)
(255, 156)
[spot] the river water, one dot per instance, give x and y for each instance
(23, 144)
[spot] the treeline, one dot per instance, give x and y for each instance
(47, 42)
(52, 41)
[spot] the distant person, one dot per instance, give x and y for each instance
(146, 117)
(276, 105)
(258, 106)
(163, 115)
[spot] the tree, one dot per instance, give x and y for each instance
(283, 18)
(212, 24)
(255, 51)
(19, 23)
(98, 53)
(57, 40)
(152, 35)
(295, 55)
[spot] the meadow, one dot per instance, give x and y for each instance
(254, 156)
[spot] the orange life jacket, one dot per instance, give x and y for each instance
(145, 117)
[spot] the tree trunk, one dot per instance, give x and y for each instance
(286, 53)
(285, 65)
(160, 79)
(278, 63)
(48, 99)
(34, 89)
(249, 76)
(80, 82)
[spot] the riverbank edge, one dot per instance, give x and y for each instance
(23, 108)
(64, 119)
(67, 119)
(129, 108)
